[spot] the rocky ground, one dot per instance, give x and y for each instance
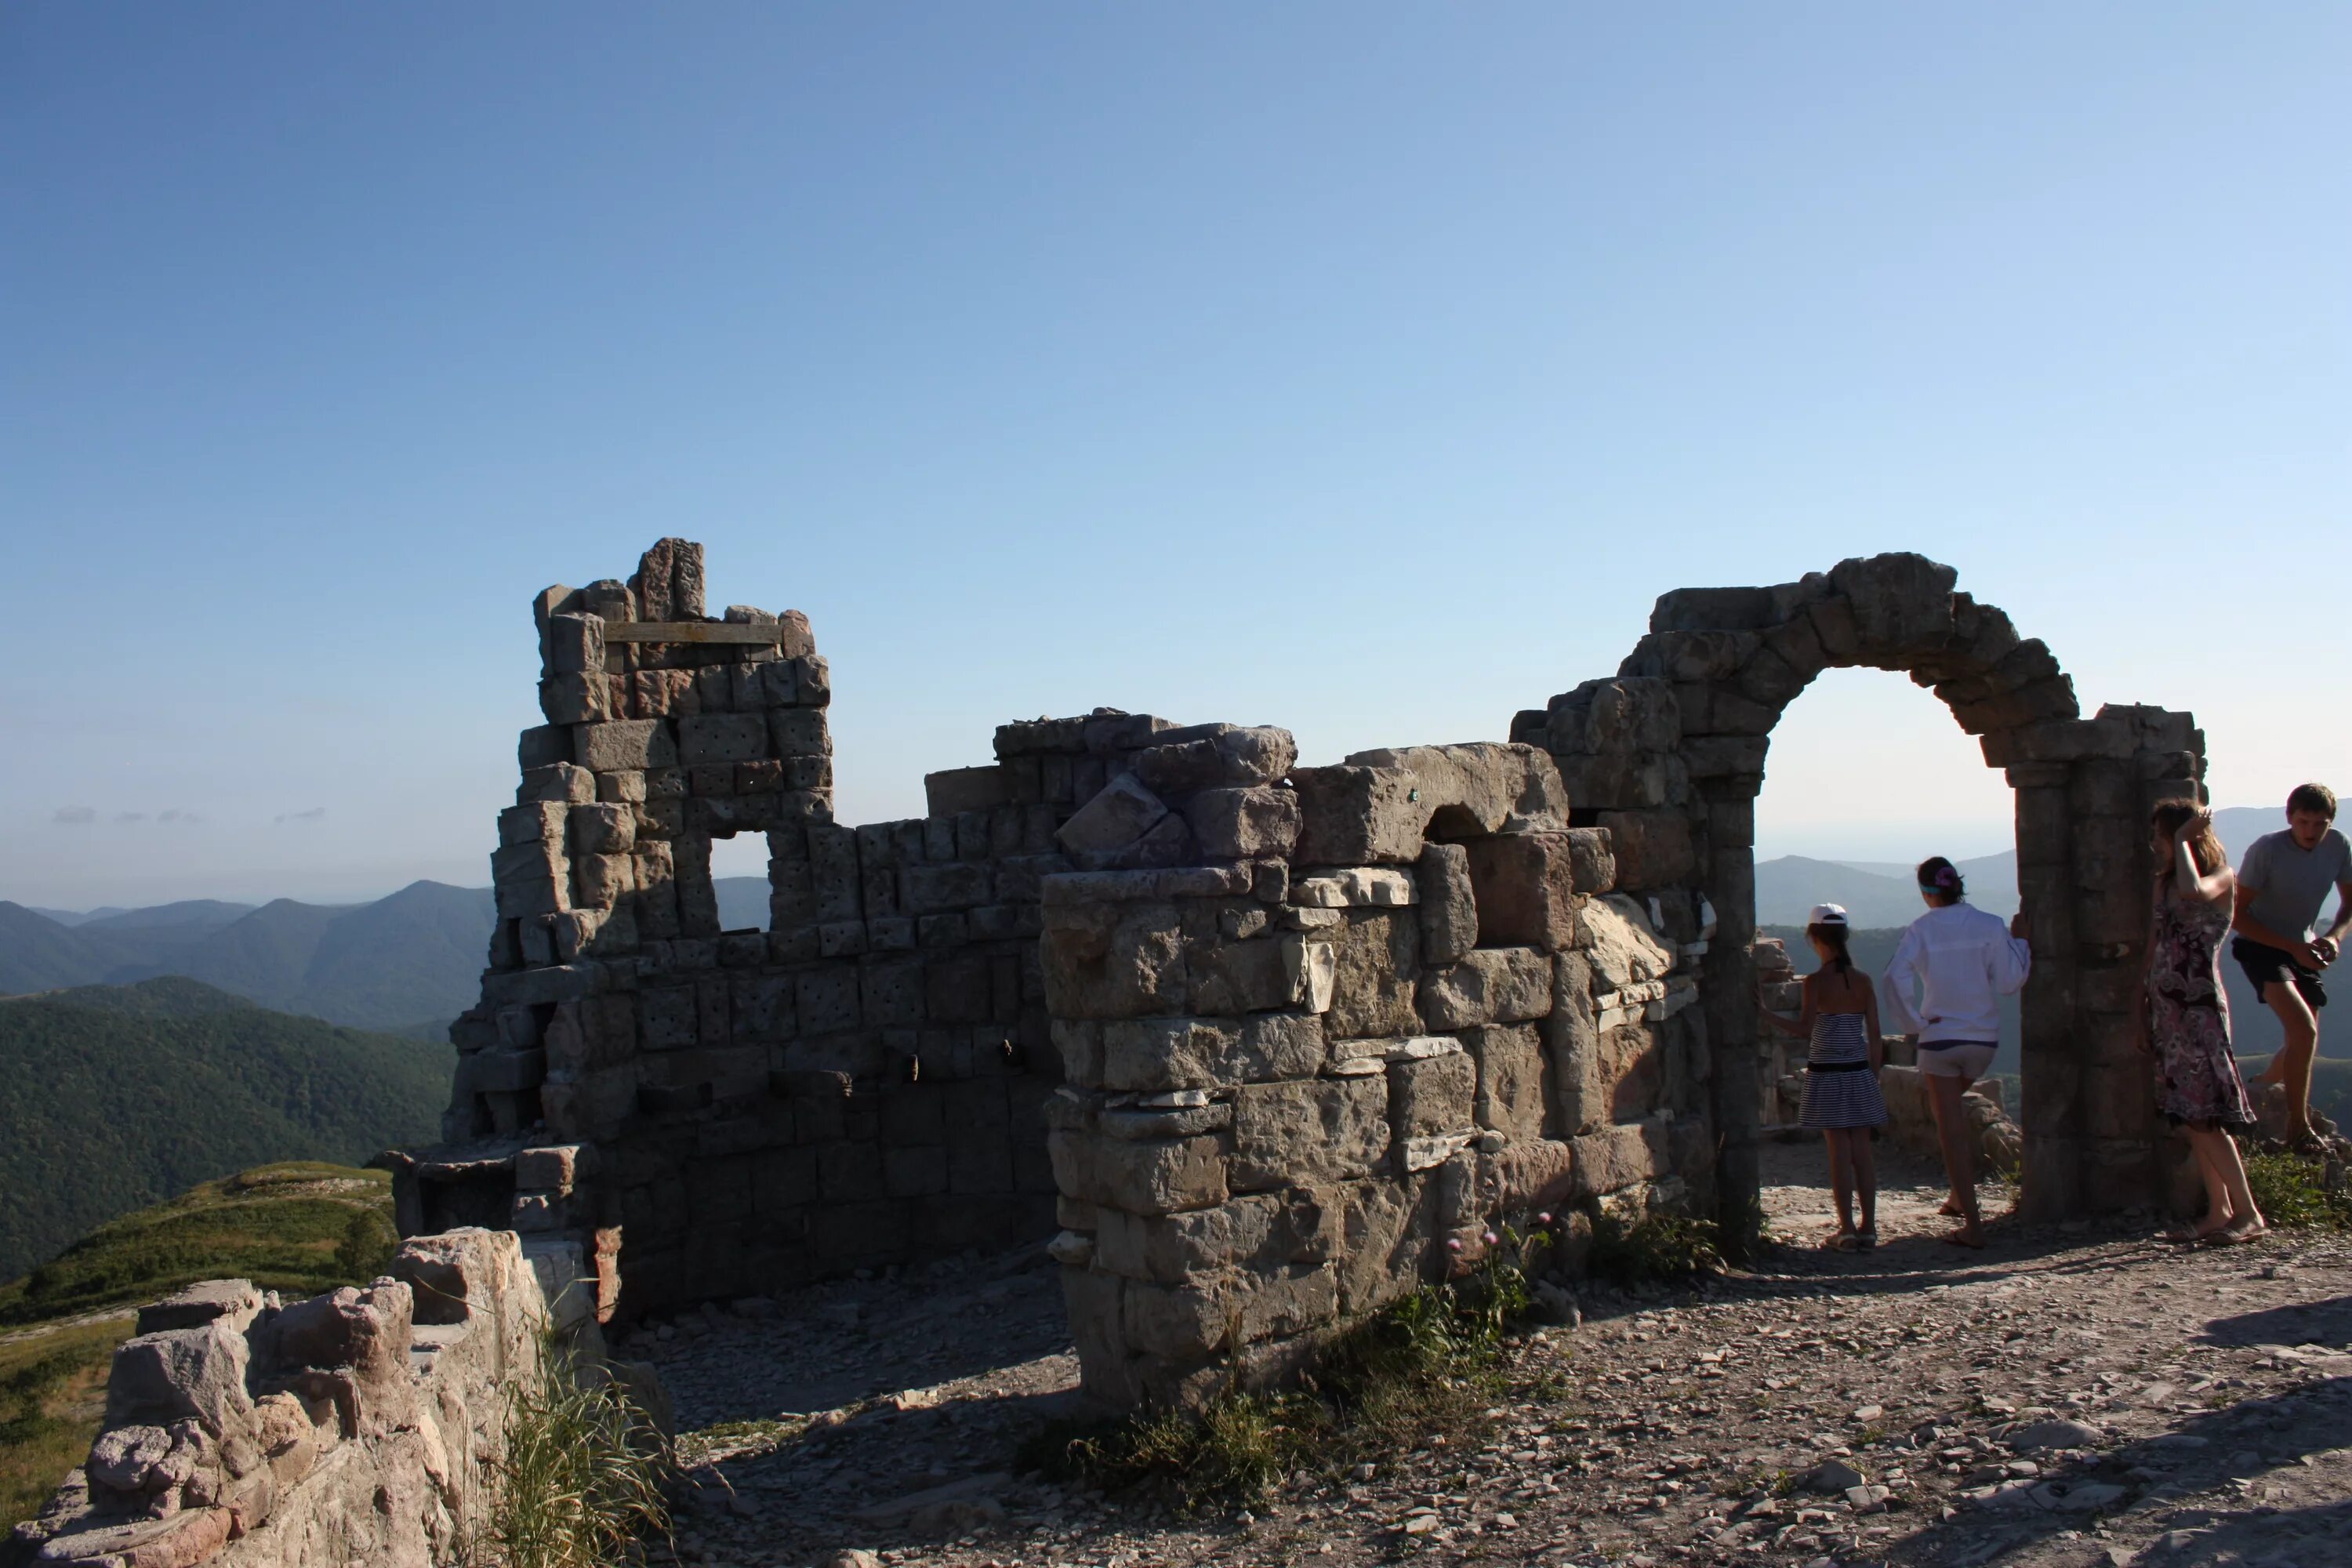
(2068, 1397)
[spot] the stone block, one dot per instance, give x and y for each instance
(1449, 911)
(1376, 961)
(1358, 816)
(1121, 961)
(722, 738)
(1620, 717)
(1481, 786)
(799, 731)
(1430, 1097)
(1625, 781)
(1151, 1054)
(541, 746)
(1616, 1158)
(1632, 1068)
(541, 821)
(939, 889)
(1257, 1233)
(1514, 1090)
(1139, 1176)
(967, 789)
(1118, 814)
(573, 644)
(1592, 859)
(1524, 887)
(574, 698)
(624, 744)
(532, 878)
(1260, 822)
(602, 829)
(1303, 1132)
(1242, 976)
(1355, 887)
(1712, 609)
(1654, 849)
(1389, 1241)
(1490, 985)
(1902, 603)
(556, 782)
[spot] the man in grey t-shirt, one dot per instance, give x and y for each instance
(2281, 886)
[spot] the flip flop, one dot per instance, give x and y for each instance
(2183, 1234)
(1956, 1239)
(1866, 1239)
(1844, 1241)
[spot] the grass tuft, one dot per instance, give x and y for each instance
(1658, 1246)
(2293, 1192)
(581, 1477)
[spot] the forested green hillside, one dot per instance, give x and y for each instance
(296, 1228)
(113, 1098)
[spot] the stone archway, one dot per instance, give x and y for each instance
(1670, 752)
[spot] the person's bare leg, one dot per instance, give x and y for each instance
(2291, 1066)
(2220, 1205)
(1953, 1131)
(2244, 1214)
(1841, 1180)
(1865, 1176)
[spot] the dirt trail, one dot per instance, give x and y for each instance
(2072, 1396)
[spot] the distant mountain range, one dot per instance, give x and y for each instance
(410, 963)
(407, 964)
(1880, 898)
(1880, 893)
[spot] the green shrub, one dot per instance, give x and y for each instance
(581, 1476)
(369, 1241)
(2293, 1192)
(1656, 1246)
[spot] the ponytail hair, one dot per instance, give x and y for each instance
(1832, 935)
(1941, 880)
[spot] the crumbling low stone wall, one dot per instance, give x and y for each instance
(356, 1427)
(1331, 1026)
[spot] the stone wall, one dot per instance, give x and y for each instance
(1670, 755)
(1292, 1030)
(1364, 1013)
(859, 1084)
(356, 1427)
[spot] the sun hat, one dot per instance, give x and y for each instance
(1827, 915)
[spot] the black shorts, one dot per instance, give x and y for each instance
(2265, 963)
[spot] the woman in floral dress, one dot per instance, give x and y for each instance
(2188, 1018)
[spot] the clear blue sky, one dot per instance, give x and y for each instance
(1365, 369)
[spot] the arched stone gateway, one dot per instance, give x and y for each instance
(1669, 755)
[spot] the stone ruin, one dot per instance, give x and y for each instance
(358, 1426)
(1252, 1041)
(1669, 756)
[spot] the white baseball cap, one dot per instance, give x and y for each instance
(1827, 915)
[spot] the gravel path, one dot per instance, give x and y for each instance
(2072, 1396)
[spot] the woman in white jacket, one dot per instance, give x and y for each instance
(1961, 962)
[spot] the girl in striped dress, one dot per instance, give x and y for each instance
(1842, 1098)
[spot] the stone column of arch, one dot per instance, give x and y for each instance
(1669, 755)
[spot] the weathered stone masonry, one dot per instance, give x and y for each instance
(1262, 1038)
(1669, 756)
(362, 1425)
